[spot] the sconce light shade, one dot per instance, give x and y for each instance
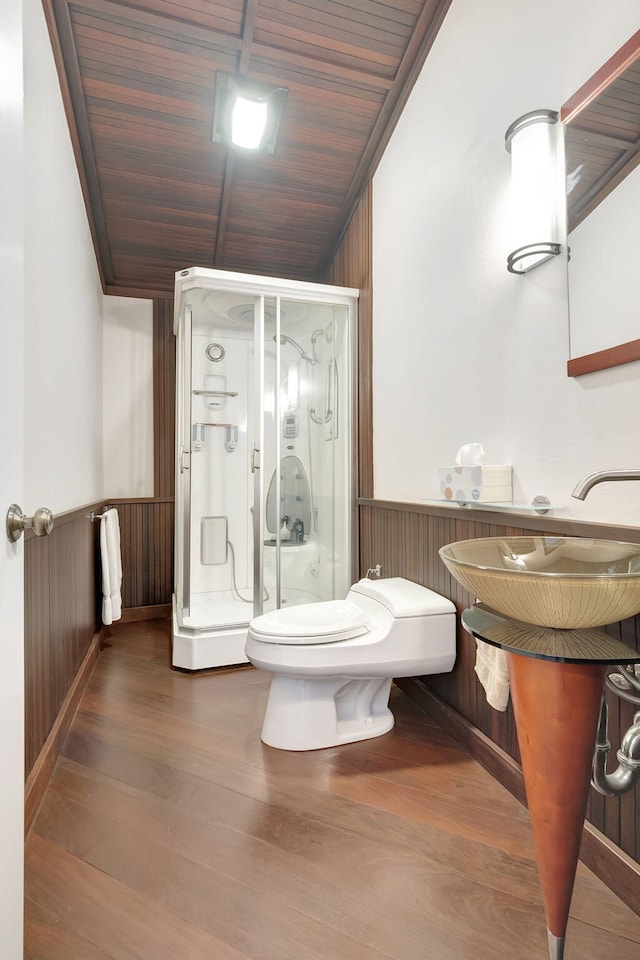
(245, 114)
(534, 184)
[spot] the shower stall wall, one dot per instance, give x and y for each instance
(264, 477)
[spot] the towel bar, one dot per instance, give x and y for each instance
(97, 516)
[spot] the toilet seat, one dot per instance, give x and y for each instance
(326, 622)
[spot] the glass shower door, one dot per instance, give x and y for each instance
(267, 550)
(306, 452)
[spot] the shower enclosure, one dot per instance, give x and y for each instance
(264, 477)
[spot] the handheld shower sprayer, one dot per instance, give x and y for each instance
(285, 339)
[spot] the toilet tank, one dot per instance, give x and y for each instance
(404, 598)
(422, 636)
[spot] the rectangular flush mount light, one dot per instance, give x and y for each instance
(246, 114)
(534, 184)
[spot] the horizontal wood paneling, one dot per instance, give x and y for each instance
(60, 618)
(405, 539)
(164, 399)
(352, 267)
(146, 537)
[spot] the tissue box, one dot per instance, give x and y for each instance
(486, 483)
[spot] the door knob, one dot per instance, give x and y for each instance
(41, 522)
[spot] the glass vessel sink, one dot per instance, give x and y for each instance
(561, 582)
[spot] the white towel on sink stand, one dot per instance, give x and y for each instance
(491, 668)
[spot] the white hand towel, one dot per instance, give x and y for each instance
(491, 668)
(111, 566)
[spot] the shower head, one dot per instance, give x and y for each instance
(305, 356)
(245, 313)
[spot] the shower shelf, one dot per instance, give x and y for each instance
(215, 393)
(199, 423)
(285, 543)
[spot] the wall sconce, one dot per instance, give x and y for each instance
(246, 114)
(534, 183)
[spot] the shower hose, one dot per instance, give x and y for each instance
(233, 578)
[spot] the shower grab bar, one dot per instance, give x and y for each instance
(330, 392)
(215, 393)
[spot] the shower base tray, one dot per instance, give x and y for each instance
(200, 646)
(215, 632)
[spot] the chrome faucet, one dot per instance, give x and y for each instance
(583, 486)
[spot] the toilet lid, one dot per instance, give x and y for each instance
(325, 622)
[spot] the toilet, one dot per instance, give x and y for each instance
(333, 662)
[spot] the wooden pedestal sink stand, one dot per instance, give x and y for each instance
(557, 682)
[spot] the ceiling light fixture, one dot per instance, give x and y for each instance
(246, 114)
(531, 141)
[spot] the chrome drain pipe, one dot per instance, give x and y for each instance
(627, 773)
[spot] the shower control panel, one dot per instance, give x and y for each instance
(290, 427)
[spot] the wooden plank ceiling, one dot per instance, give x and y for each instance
(138, 82)
(602, 143)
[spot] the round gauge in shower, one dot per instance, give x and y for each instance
(215, 352)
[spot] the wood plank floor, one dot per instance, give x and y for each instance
(170, 832)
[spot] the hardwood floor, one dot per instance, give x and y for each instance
(170, 832)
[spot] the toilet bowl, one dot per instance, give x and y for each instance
(333, 662)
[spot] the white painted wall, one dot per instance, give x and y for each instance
(127, 397)
(63, 300)
(463, 350)
(11, 481)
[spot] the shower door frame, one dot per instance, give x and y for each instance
(257, 458)
(182, 544)
(259, 288)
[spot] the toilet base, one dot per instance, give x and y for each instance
(305, 714)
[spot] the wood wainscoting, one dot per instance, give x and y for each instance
(164, 399)
(405, 539)
(62, 615)
(146, 540)
(61, 635)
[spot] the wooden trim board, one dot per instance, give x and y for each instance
(157, 611)
(40, 774)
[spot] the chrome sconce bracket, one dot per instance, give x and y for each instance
(537, 253)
